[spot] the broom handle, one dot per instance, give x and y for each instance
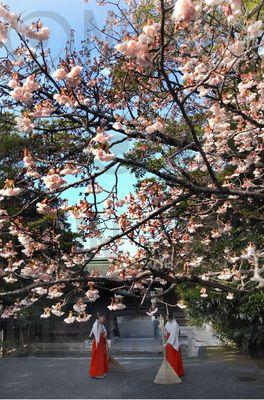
(163, 339)
(167, 310)
(107, 347)
(106, 343)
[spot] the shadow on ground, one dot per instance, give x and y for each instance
(221, 373)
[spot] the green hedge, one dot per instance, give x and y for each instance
(239, 321)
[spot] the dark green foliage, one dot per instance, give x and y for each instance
(240, 320)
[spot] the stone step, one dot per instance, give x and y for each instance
(193, 341)
(140, 326)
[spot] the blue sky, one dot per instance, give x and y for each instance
(61, 16)
(72, 11)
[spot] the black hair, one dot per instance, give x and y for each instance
(170, 316)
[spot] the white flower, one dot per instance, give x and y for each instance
(116, 303)
(75, 72)
(255, 30)
(70, 319)
(83, 317)
(41, 34)
(54, 293)
(60, 74)
(92, 294)
(44, 208)
(10, 279)
(203, 292)
(184, 10)
(10, 192)
(56, 310)
(248, 252)
(120, 306)
(117, 125)
(225, 274)
(46, 313)
(25, 302)
(213, 2)
(94, 188)
(58, 313)
(79, 307)
(40, 291)
(181, 305)
(157, 126)
(53, 181)
(237, 48)
(196, 261)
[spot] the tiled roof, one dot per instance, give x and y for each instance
(100, 264)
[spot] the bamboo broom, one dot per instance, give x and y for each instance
(166, 374)
(111, 359)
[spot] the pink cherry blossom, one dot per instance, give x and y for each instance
(25, 124)
(44, 208)
(80, 306)
(56, 309)
(46, 313)
(70, 319)
(117, 125)
(69, 169)
(203, 292)
(255, 30)
(53, 181)
(157, 126)
(101, 137)
(74, 72)
(102, 155)
(83, 317)
(230, 296)
(92, 294)
(9, 189)
(184, 10)
(60, 74)
(3, 33)
(30, 31)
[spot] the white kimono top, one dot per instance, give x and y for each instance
(97, 329)
(173, 329)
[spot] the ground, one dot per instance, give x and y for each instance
(219, 374)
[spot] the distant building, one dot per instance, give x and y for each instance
(94, 241)
(53, 334)
(100, 264)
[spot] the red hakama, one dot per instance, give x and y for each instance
(99, 361)
(174, 358)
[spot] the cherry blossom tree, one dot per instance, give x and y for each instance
(182, 92)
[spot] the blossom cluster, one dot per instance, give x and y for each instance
(140, 47)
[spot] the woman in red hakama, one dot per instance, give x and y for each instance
(99, 360)
(173, 352)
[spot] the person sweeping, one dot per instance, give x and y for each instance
(172, 345)
(166, 374)
(99, 359)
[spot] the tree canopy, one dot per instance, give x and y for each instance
(180, 92)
